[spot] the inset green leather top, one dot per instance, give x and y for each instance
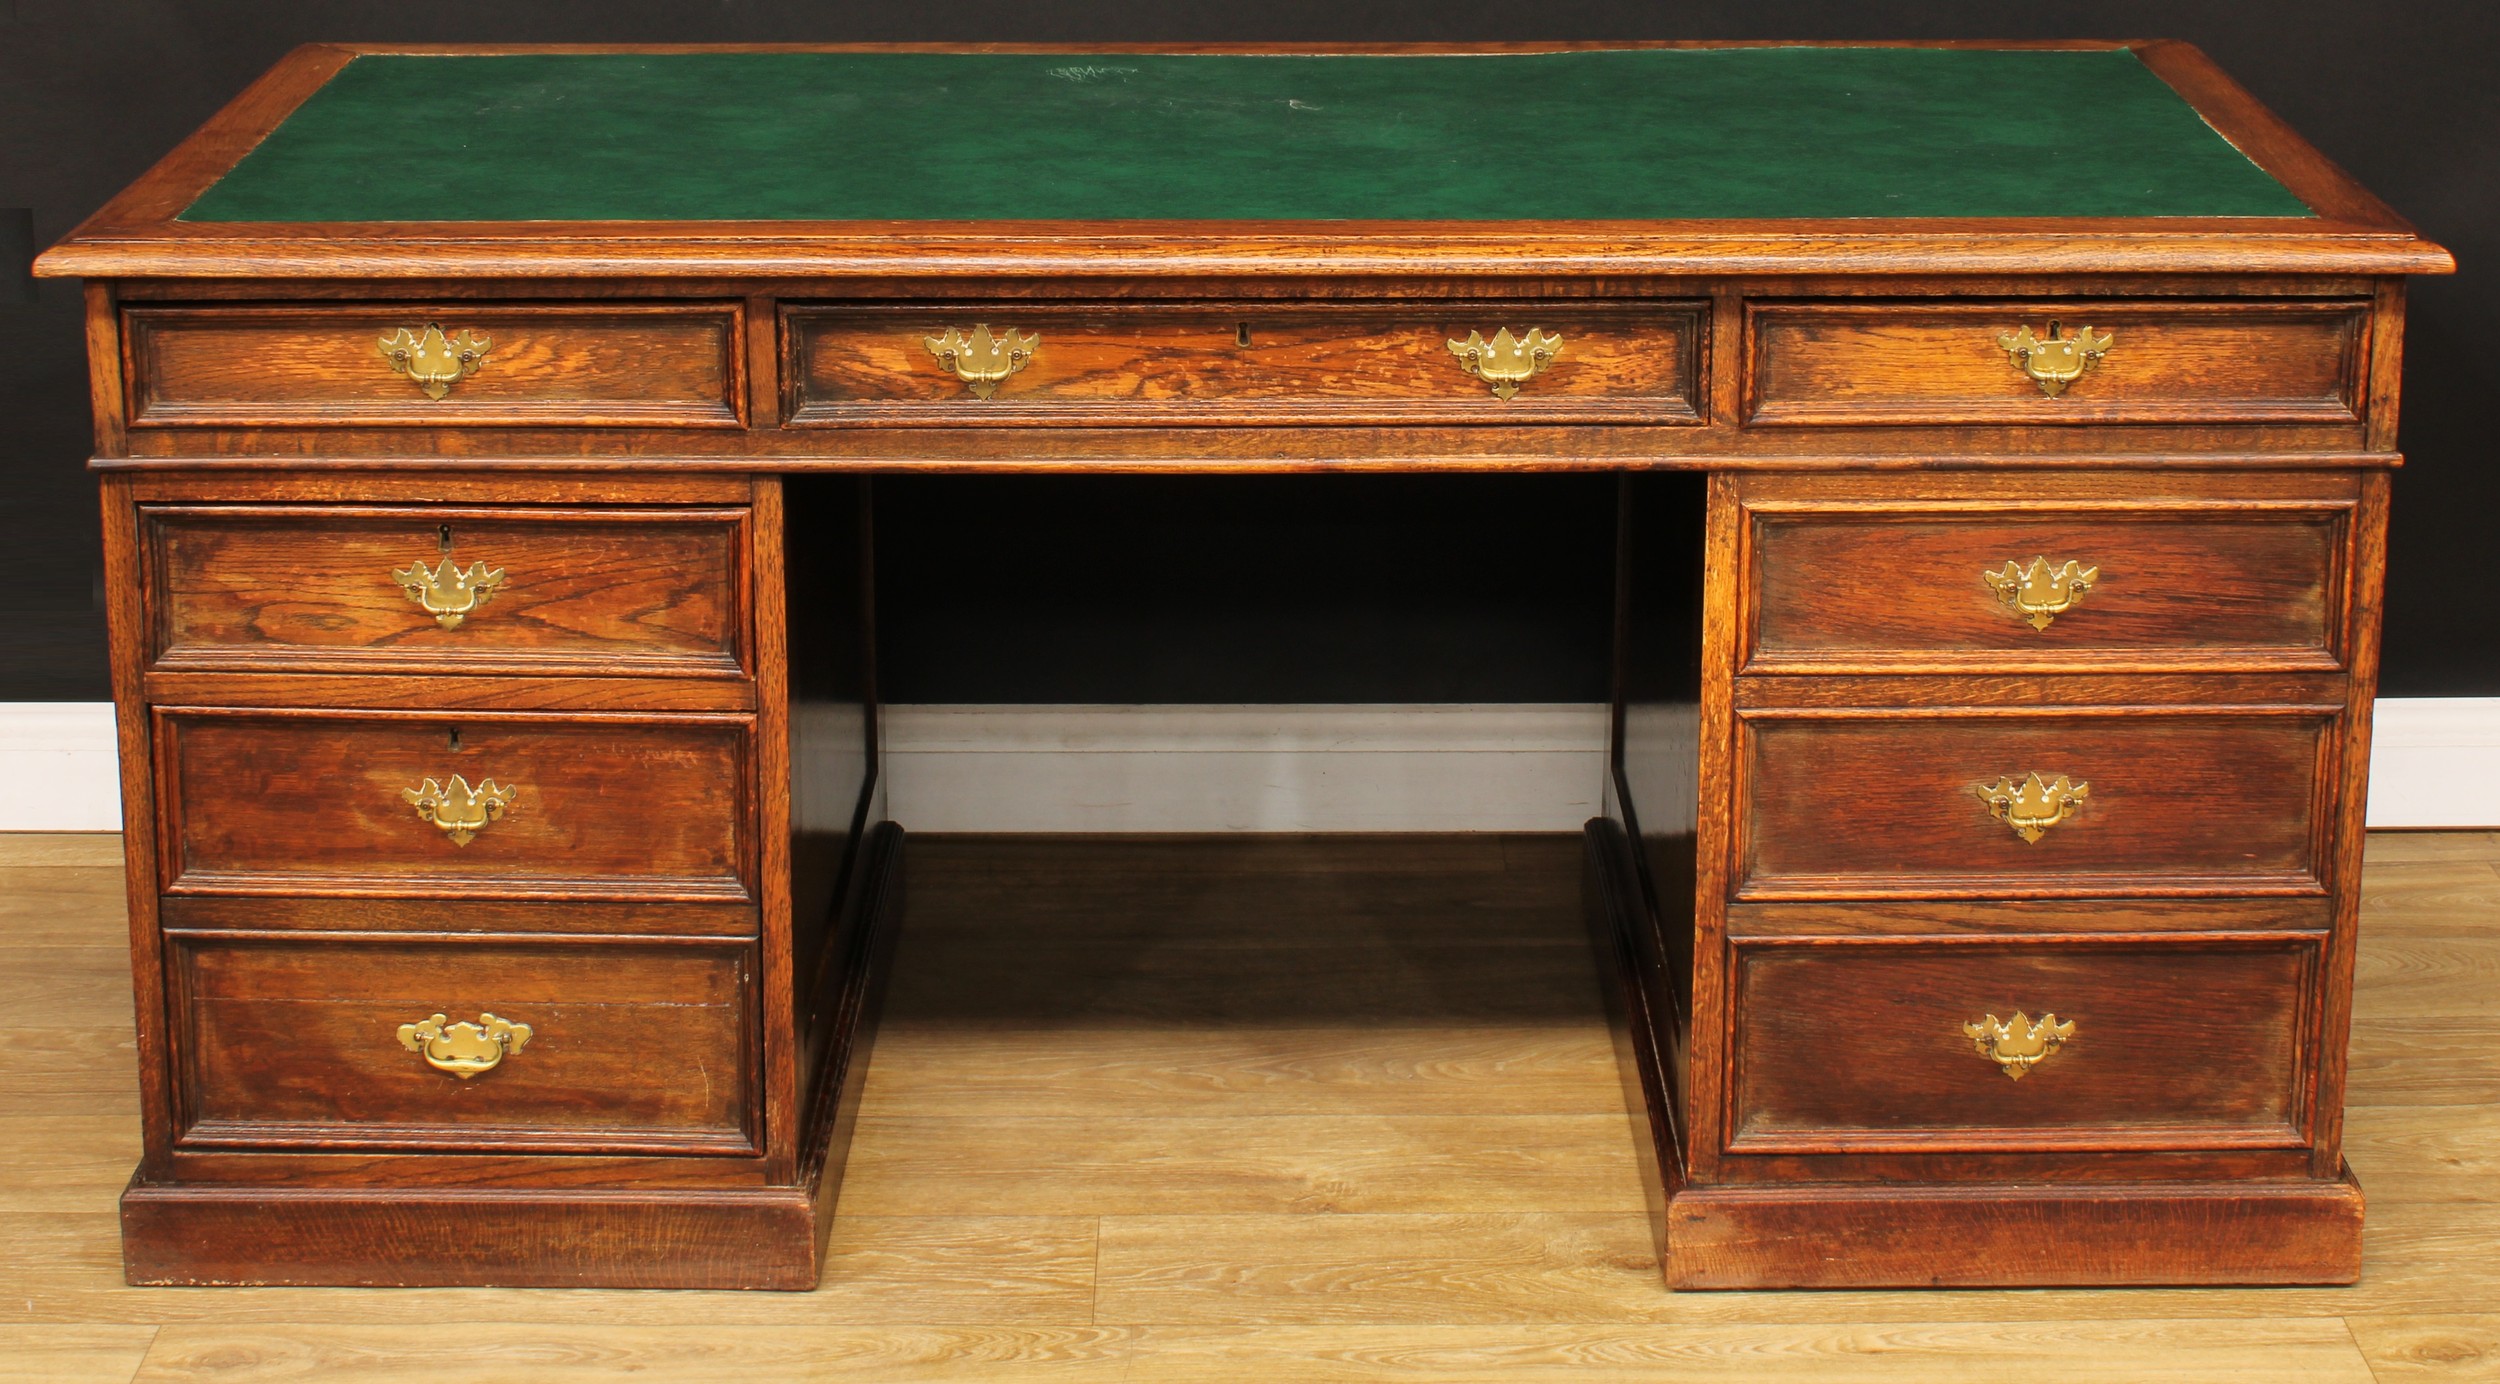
(1781, 132)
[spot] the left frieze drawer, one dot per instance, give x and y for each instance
(477, 805)
(381, 589)
(639, 365)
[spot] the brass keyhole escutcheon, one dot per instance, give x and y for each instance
(435, 361)
(464, 1049)
(2018, 1044)
(2034, 805)
(2056, 361)
(2038, 594)
(1506, 362)
(983, 360)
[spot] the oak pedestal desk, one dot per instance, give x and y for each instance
(486, 441)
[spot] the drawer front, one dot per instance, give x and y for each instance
(372, 589)
(434, 365)
(1882, 803)
(602, 1047)
(523, 806)
(1917, 362)
(1260, 363)
(2043, 588)
(2026, 1044)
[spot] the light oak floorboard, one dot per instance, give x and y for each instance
(32, 1353)
(2154, 1352)
(62, 906)
(2391, 846)
(73, 848)
(2431, 1350)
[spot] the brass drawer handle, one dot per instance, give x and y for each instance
(982, 360)
(435, 361)
(2058, 361)
(464, 1049)
(448, 593)
(2033, 806)
(461, 811)
(2018, 1044)
(1506, 362)
(2040, 593)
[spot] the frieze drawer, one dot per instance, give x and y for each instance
(441, 589)
(2056, 361)
(2027, 1044)
(1436, 361)
(446, 364)
(452, 1047)
(478, 804)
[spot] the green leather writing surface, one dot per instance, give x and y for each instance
(1661, 133)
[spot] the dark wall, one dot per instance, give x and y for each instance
(1422, 589)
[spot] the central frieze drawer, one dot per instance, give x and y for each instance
(450, 1047)
(477, 804)
(1249, 363)
(2032, 802)
(442, 589)
(1946, 361)
(444, 364)
(2021, 1044)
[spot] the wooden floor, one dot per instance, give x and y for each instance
(1267, 1110)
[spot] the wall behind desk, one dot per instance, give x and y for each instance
(1478, 594)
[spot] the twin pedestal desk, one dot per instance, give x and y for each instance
(487, 441)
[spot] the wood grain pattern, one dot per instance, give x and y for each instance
(308, 803)
(1935, 362)
(636, 365)
(1876, 805)
(293, 1043)
(2126, 1079)
(1249, 363)
(312, 588)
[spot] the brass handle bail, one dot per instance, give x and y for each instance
(2038, 594)
(983, 360)
(2034, 805)
(1506, 362)
(461, 811)
(435, 361)
(446, 591)
(2058, 361)
(464, 1049)
(2018, 1044)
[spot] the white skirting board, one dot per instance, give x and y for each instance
(1434, 767)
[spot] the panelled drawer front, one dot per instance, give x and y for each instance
(1890, 803)
(1911, 362)
(1868, 1045)
(367, 589)
(630, 807)
(628, 1046)
(625, 364)
(1255, 363)
(2184, 586)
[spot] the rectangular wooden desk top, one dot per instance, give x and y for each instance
(1642, 159)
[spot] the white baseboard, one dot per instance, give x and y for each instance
(1493, 767)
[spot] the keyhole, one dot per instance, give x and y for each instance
(444, 534)
(2052, 337)
(455, 739)
(1241, 334)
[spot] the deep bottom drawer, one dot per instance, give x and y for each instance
(602, 1046)
(1930, 1045)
